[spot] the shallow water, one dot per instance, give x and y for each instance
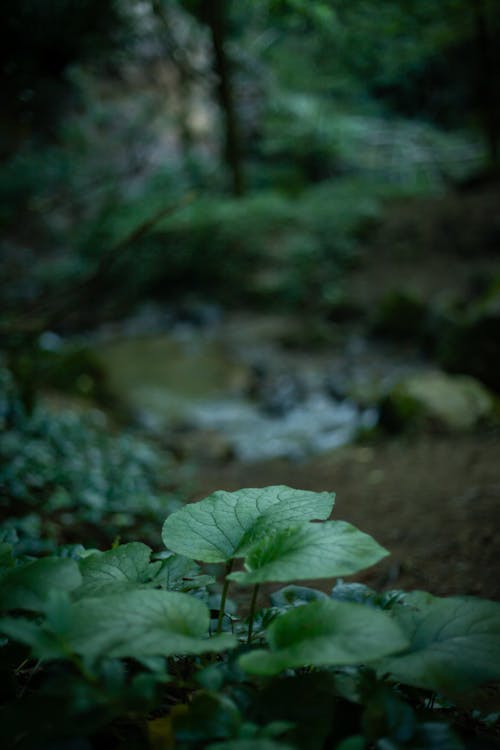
(201, 380)
(163, 376)
(317, 425)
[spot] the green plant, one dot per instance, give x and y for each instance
(133, 649)
(65, 475)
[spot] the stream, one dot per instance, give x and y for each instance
(233, 382)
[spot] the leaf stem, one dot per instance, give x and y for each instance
(222, 606)
(251, 616)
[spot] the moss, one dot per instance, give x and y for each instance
(439, 402)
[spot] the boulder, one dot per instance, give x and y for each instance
(437, 401)
(276, 392)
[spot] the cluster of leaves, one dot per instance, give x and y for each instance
(306, 77)
(265, 248)
(64, 471)
(134, 648)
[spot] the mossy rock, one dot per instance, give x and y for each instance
(437, 401)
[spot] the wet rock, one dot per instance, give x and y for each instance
(437, 401)
(199, 314)
(337, 387)
(315, 426)
(276, 392)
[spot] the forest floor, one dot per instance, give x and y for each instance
(433, 502)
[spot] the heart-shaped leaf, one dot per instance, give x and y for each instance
(127, 566)
(142, 623)
(136, 623)
(178, 573)
(309, 550)
(43, 643)
(454, 642)
(226, 524)
(27, 586)
(326, 633)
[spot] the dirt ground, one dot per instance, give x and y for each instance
(433, 502)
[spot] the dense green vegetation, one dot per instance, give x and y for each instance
(102, 640)
(331, 166)
(65, 474)
(310, 117)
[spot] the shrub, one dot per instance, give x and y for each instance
(126, 647)
(65, 471)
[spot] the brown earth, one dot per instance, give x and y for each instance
(433, 502)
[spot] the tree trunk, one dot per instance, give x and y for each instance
(487, 83)
(215, 15)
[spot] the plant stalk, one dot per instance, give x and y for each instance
(251, 616)
(222, 605)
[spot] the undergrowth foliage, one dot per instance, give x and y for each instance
(140, 649)
(64, 470)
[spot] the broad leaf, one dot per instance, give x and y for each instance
(309, 550)
(136, 623)
(326, 633)
(295, 596)
(129, 567)
(454, 643)
(225, 524)
(361, 594)
(43, 643)
(6, 556)
(142, 623)
(178, 573)
(125, 567)
(28, 586)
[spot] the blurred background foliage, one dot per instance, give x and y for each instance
(332, 160)
(116, 111)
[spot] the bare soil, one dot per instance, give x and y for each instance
(433, 502)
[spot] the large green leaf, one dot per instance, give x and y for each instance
(179, 573)
(309, 550)
(142, 623)
(127, 566)
(28, 586)
(225, 524)
(44, 643)
(134, 623)
(326, 633)
(454, 643)
(6, 556)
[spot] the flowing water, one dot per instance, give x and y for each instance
(235, 381)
